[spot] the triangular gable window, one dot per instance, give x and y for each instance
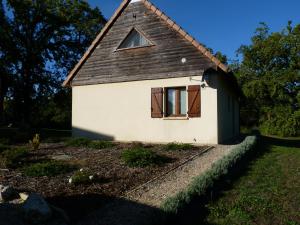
(134, 40)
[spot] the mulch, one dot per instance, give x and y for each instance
(116, 177)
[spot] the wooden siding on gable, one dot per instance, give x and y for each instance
(162, 60)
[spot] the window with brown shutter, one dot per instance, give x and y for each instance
(157, 102)
(175, 98)
(194, 101)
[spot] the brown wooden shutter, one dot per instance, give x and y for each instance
(194, 101)
(157, 102)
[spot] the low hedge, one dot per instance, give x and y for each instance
(201, 184)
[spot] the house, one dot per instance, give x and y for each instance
(145, 79)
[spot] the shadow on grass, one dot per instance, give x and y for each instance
(196, 212)
(284, 142)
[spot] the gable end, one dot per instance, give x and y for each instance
(170, 23)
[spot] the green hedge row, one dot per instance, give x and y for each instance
(205, 181)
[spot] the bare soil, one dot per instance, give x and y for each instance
(116, 177)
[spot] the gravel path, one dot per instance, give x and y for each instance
(139, 207)
(156, 192)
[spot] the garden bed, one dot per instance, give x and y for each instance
(115, 178)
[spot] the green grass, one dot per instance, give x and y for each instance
(49, 169)
(269, 193)
(141, 157)
(174, 146)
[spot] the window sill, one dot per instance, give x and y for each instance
(176, 118)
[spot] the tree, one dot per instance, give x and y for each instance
(43, 41)
(269, 76)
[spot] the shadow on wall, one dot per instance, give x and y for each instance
(78, 132)
(92, 209)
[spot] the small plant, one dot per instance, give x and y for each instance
(100, 144)
(49, 169)
(141, 157)
(82, 177)
(174, 146)
(11, 158)
(35, 142)
(78, 142)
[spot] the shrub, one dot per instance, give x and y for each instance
(78, 142)
(13, 157)
(141, 157)
(49, 169)
(35, 142)
(82, 177)
(178, 146)
(202, 183)
(100, 144)
(282, 122)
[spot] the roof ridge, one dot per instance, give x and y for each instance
(161, 15)
(185, 34)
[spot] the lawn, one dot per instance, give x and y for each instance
(268, 192)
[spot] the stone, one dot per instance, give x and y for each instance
(36, 209)
(7, 193)
(23, 196)
(61, 157)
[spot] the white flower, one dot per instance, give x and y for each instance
(70, 181)
(81, 170)
(91, 177)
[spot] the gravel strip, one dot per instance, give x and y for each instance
(141, 207)
(156, 192)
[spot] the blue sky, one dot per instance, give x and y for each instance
(222, 25)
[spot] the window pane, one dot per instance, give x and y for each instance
(171, 102)
(134, 39)
(182, 101)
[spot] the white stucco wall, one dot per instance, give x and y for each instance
(122, 112)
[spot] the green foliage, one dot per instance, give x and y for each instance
(174, 146)
(269, 76)
(12, 158)
(78, 142)
(44, 39)
(82, 177)
(205, 181)
(35, 142)
(141, 157)
(49, 169)
(281, 121)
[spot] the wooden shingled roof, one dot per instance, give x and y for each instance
(161, 15)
